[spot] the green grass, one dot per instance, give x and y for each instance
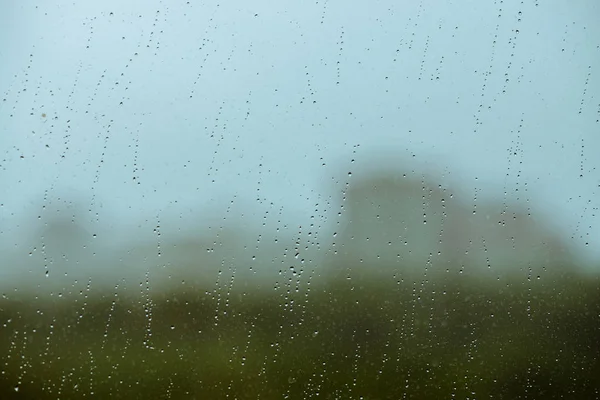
(367, 338)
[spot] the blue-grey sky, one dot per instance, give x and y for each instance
(150, 110)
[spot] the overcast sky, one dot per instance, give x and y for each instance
(150, 110)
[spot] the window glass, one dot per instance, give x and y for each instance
(266, 200)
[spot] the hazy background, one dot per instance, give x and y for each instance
(145, 122)
(379, 199)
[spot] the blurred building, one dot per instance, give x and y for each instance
(398, 225)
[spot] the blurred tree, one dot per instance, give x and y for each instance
(59, 249)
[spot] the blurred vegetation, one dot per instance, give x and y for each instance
(367, 320)
(348, 339)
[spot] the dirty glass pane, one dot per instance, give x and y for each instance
(329, 199)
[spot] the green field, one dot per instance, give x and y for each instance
(347, 339)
